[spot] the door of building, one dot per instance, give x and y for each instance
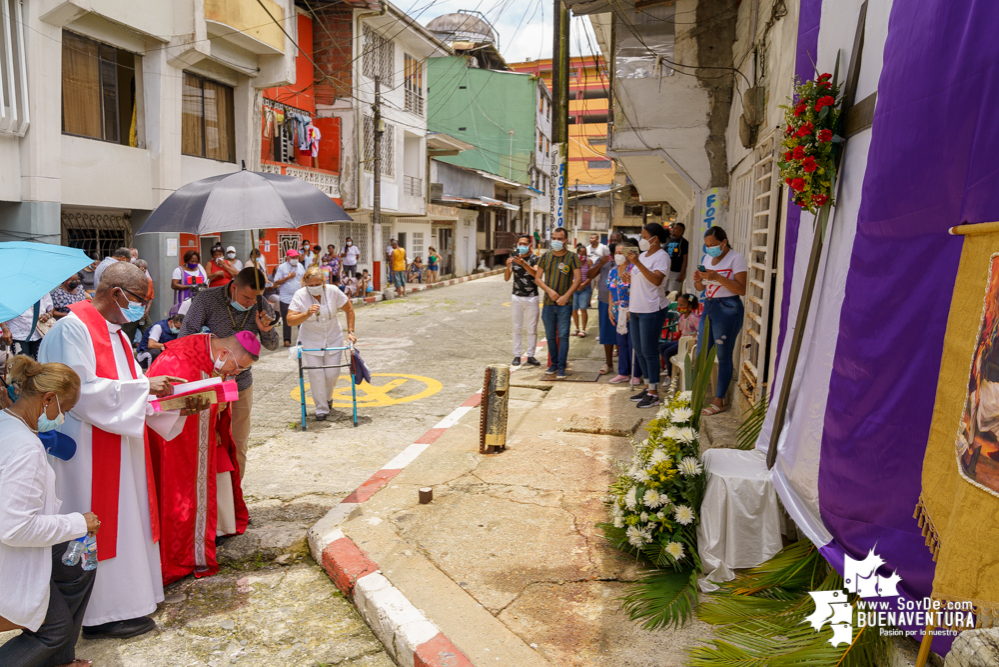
(445, 248)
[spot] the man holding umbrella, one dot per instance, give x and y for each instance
(227, 310)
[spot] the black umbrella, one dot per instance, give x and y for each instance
(243, 200)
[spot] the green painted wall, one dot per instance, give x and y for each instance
(481, 107)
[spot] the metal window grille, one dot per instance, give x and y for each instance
(96, 232)
(378, 56)
(388, 147)
(414, 85)
(13, 70)
(763, 229)
(417, 250)
(413, 186)
(359, 233)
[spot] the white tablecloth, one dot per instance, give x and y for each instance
(740, 519)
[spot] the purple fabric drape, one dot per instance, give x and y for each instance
(810, 13)
(931, 165)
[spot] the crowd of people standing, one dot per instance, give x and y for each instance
(642, 310)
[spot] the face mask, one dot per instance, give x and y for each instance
(713, 251)
(612, 247)
(558, 245)
(293, 262)
(522, 249)
(46, 424)
(134, 312)
(192, 265)
(620, 260)
(683, 311)
(305, 248)
(174, 330)
(220, 362)
(73, 285)
(315, 290)
(644, 245)
(350, 243)
(231, 255)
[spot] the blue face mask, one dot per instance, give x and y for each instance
(713, 251)
(46, 424)
(134, 312)
(558, 245)
(522, 249)
(174, 330)
(238, 306)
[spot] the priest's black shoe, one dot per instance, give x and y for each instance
(132, 627)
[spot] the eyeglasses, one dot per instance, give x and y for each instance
(139, 299)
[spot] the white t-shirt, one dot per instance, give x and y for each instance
(598, 253)
(729, 267)
(180, 272)
(646, 297)
(20, 326)
(322, 329)
(155, 332)
(350, 255)
(236, 264)
(288, 288)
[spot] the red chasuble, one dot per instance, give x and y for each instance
(107, 446)
(185, 469)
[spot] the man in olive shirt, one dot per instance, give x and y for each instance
(558, 274)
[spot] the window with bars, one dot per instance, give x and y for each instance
(417, 249)
(378, 57)
(207, 119)
(96, 232)
(414, 85)
(98, 90)
(388, 147)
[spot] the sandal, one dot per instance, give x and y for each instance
(605, 369)
(582, 334)
(712, 410)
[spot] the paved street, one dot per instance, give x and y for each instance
(427, 353)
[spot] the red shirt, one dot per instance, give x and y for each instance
(224, 280)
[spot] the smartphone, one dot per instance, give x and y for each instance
(700, 267)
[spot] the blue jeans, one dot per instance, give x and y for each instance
(624, 355)
(726, 315)
(645, 329)
(667, 350)
(581, 298)
(557, 320)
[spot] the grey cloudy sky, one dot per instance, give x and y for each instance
(524, 26)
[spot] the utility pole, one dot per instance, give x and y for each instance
(560, 111)
(376, 190)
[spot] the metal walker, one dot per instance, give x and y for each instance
(302, 369)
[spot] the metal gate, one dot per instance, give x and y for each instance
(96, 232)
(763, 224)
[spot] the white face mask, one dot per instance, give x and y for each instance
(231, 255)
(619, 260)
(220, 362)
(644, 245)
(315, 290)
(293, 261)
(350, 243)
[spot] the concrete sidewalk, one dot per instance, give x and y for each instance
(506, 562)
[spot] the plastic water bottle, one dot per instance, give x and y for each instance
(90, 557)
(74, 551)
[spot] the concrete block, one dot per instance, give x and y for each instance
(371, 486)
(410, 636)
(395, 621)
(440, 652)
(346, 564)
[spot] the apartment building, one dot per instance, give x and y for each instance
(111, 105)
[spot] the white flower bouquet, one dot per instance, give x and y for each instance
(654, 503)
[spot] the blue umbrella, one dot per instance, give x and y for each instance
(29, 271)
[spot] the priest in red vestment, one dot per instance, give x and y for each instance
(198, 483)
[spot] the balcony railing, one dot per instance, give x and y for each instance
(326, 181)
(413, 186)
(414, 102)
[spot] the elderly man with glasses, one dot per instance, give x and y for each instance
(111, 473)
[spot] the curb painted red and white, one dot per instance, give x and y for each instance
(361, 301)
(405, 631)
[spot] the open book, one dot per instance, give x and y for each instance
(214, 389)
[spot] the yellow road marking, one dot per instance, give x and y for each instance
(371, 395)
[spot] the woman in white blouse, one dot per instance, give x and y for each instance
(43, 597)
(313, 309)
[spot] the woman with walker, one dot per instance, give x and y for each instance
(313, 310)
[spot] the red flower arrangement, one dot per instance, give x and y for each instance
(810, 143)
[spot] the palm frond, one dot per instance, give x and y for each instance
(752, 423)
(798, 566)
(661, 599)
(703, 366)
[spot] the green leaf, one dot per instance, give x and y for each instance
(662, 599)
(823, 113)
(752, 424)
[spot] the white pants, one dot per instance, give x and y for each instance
(322, 382)
(226, 520)
(525, 316)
